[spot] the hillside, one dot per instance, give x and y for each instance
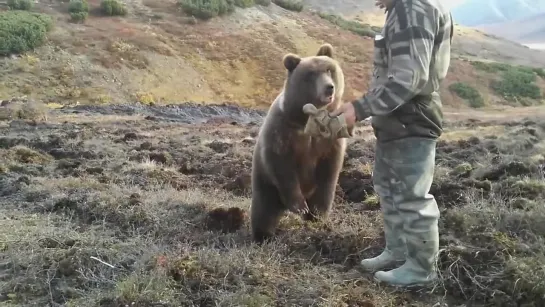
(516, 20)
(119, 191)
(157, 54)
(529, 30)
(483, 12)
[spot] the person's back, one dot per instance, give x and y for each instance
(412, 29)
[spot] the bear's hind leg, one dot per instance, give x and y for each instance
(327, 175)
(265, 212)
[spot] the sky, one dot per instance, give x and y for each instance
(453, 3)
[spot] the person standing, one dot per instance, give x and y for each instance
(411, 59)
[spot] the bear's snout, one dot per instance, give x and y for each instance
(329, 90)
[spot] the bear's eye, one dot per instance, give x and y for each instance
(329, 71)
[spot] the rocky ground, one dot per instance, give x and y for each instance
(147, 206)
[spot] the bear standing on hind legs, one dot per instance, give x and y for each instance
(292, 170)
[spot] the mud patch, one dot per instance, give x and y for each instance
(226, 219)
(508, 169)
(355, 186)
(189, 113)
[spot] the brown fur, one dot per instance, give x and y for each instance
(290, 170)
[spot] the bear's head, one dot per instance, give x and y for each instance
(315, 79)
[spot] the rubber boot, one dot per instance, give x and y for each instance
(419, 268)
(394, 253)
(386, 259)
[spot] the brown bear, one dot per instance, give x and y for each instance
(291, 170)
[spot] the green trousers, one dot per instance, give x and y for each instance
(402, 177)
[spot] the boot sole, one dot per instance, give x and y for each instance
(388, 267)
(408, 286)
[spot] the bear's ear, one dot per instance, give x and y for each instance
(326, 49)
(291, 61)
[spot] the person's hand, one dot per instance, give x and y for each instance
(349, 113)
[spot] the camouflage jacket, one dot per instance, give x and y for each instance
(411, 58)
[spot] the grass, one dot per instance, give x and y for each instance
(468, 93)
(133, 211)
(350, 25)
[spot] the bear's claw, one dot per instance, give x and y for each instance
(299, 208)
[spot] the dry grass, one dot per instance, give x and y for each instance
(128, 211)
(25, 110)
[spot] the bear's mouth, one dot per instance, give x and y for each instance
(326, 100)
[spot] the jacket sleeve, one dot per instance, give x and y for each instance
(409, 59)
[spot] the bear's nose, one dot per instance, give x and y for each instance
(329, 89)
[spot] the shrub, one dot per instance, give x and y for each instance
(78, 9)
(263, 2)
(145, 98)
(21, 31)
(23, 5)
(352, 26)
(291, 5)
(244, 3)
(206, 9)
(30, 110)
(468, 93)
(540, 72)
(78, 6)
(517, 83)
(113, 8)
(79, 16)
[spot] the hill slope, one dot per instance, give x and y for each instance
(158, 54)
(482, 12)
(529, 30)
